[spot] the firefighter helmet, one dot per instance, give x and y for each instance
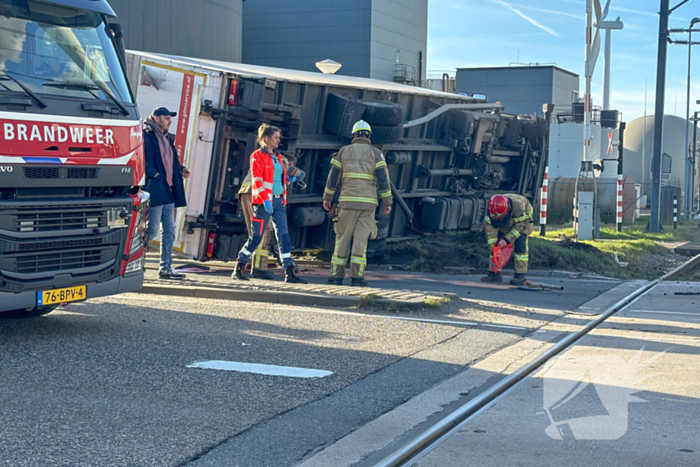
(498, 207)
(361, 126)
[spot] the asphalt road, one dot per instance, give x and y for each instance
(107, 382)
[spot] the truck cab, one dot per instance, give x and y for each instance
(72, 215)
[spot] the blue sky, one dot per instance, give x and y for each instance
(474, 33)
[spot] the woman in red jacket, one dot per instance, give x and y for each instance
(269, 179)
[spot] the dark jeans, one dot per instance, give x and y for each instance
(259, 223)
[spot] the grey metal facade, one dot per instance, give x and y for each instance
(523, 89)
(365, 36)
(193, 28)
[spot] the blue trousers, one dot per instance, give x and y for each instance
(164, 215)
(258, 224)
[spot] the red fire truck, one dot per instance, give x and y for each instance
(72, 216)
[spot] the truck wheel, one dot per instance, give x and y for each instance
(376, 248)
(382, 225)
(386, 134)
(382, 113)
(533, 130)
(32, 312)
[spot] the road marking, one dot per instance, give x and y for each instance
(344, 313)
(665, 312)
(269, 370)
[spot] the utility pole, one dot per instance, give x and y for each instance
(655, 220)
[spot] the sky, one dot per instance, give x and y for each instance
(479, 33)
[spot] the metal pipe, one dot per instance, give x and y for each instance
(436, 113)
(399, 199)
(498, 159)
(441, 172)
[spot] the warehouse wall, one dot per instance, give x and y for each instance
(194, 28)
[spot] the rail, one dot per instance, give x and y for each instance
(445, 428)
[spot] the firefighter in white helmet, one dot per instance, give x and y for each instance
(361, 171)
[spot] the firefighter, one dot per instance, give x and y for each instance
(509, 220)
(360, 169)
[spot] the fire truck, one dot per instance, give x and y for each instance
(72, 215)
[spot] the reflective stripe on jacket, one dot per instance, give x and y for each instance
(360, 170)
(263, 172)
(519, 221)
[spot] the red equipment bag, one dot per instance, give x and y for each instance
(501, 256)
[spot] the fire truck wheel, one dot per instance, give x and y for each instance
(32, 312)
(382, 112)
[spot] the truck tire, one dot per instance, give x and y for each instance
(386, 134)
(32, 312)
(382, 112)
(376, 248)
(382, 225)
(533, 130)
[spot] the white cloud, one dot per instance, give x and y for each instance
(527, 18)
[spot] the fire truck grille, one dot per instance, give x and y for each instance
(61, 173)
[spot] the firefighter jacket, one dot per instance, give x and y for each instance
(247, 184)
(516, 223)
(359, 169)
(263, 172)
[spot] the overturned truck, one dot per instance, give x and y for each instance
(447, 153)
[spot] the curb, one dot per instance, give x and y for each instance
(286, 298)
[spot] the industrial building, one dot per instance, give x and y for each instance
(523, 89)
(383, 39)
(208, 29)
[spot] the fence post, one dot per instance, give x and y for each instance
(543, 203)
(619, 203)
(675, 212)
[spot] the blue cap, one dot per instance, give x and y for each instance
(160, 111)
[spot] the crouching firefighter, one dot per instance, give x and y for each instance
(360, 170)
(509, 220)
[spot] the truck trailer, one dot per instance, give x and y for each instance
(72, 216)
(447, 153)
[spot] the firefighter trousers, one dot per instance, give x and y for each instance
(261, 256)
(353, 226)
(520, 252)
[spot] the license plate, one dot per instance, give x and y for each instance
(52, 297)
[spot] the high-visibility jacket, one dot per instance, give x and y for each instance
(247, 185)
(519, 221)
(262, 170)
(360, 169)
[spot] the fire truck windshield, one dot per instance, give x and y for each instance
(42, 44)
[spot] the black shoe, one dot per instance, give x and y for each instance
(518, 279)
(359, 282)
(262, 274)
(291, 277)
(492, 277)
(335, 281)
(239, 273)
(170, 274)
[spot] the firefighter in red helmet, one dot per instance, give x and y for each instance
(509, 220)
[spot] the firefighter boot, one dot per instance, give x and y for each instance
(492, 277)
(518, 279)
(359, 282)
(335, 280)
(291, 277)
(239, 273)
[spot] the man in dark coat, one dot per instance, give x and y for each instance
(164, 181)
